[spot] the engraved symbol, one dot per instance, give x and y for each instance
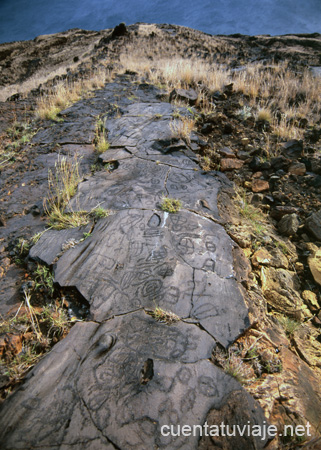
(152, 288)
(186, 246)
(207, 387)
(178, 222)
(154, 221)
(209, 264)
(157, 255)
(205, 310)
(210, 246)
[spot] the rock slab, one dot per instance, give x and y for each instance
(116, 379)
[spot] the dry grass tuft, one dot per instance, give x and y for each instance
(65, 93)
(62, 187)
(182, 128)
(161, 315)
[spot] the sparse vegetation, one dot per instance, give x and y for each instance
(102, 144)
(253, 216)
(43, 279)
(171, 205)
(161, 315)
(62, 187)
(66, 93)
(182, 128)
(233, 364)
(264, 114)
(14, 139)
(99, 212)
(289, 325)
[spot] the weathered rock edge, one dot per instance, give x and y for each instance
(115, 380)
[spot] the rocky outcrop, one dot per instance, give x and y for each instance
(117, 378)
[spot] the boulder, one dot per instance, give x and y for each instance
(281, 289)
(272, 258)
(293, 149)
(297, 168)
(314, 261)
(260, 185)
(189, 96)
(289, 225)
(119, 30)
(313, 224)
(311, 300)
(226, 152)
(230, 164)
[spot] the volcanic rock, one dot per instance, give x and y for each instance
(314, 261)
(260, 185)
(190, 96)
(293, 149)
(313, 224)
(230, 164)
(289, 224)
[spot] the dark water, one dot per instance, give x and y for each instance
(26, 19)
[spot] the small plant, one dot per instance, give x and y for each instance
(164, 316)
(171, 205)
(244, 113)
(62, 187)
(233, 364)
(22, 363)
(206, 163)
(57, 321)
(95, 167)
(22, 247)
(13, 139)
(35, 238)
(102, 144)
(99, 213)
(109, 167)
(264, 115)
(44, 279)
(289, 325)
(182, 128)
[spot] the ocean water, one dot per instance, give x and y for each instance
(26, 19)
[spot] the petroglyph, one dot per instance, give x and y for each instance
(115, 380)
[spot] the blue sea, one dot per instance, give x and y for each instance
(26, 19)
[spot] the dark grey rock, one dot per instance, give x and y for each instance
(289, 224)
(190, 96)
(313, 224)
(293, 149)
(53, 243)
(114, 154)
(90, 389)
(119, 30)
(82, 132)
(113, 382)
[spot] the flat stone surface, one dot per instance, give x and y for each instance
(80, 132)
(115, 154)
(117, 384)
(116, 379)
(53, 243)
